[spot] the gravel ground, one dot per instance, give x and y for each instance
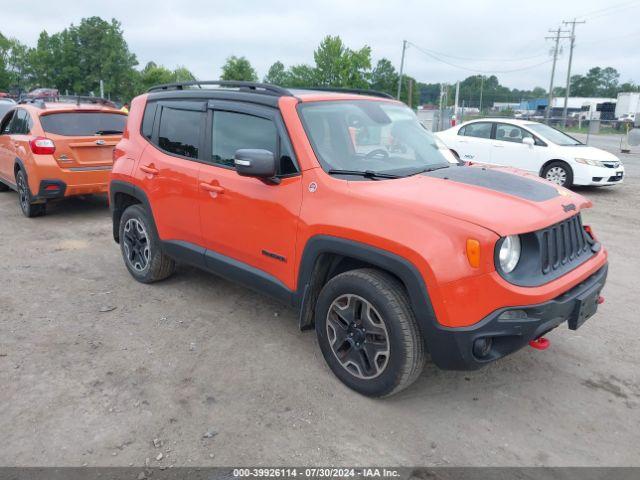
(94, 367)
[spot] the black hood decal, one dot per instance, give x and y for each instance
(503, 182)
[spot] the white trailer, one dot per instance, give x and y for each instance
(628, 104)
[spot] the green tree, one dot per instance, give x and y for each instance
(14, 64)
(277, 74)
(384, 77)
(238, 68)
(339, 66)
(598, 82)
(153, 74)
(77, 58)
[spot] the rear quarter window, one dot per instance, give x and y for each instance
(83, 124)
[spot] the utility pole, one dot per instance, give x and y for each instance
(566, 93)
(404, 48)
(557, 38)
(101, 89)
(481, 88)
(455, 108)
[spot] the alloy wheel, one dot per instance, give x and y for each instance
(23, 193)
(136, 245)
(358, 336)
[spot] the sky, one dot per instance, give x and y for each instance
(504, 38)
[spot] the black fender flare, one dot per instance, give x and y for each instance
(408, 274)
(119, 186)
(441, 342)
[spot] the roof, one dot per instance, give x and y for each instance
(512, 121)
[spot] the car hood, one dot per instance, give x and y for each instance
(504, 200)
(590, 153)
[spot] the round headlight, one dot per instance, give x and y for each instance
(509, 254)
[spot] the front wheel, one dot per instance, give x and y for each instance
(368, 333)
(29, 209)
(140, 247)
(559, 173)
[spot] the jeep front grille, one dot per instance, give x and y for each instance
(564, 243)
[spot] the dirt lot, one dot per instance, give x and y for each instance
(221, 376)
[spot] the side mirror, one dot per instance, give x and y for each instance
(528, 141)
(257, 163)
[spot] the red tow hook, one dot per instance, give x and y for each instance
(600, 300)
(540, 343)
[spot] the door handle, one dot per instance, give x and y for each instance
(150, 169)
(211, 188)
(498, 146)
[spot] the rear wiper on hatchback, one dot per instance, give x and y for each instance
(108, 132)
(363, 173)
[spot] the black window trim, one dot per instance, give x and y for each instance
(178, 105)
(254, 110)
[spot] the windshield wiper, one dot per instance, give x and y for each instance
(428, 169)
(108, 132)
(363, 173)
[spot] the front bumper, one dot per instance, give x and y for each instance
(511, 328)
(590, 175)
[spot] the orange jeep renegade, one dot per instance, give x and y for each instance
(343, 206)
(50, 150)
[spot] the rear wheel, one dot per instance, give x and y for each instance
(29, 209)
(368, 333)
(559, 173)
(140, 247)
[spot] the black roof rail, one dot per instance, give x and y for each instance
(254, 87)
(359, 91)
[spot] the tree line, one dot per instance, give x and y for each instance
(77, 58)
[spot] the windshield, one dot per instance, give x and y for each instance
(372, 136)
(553, 135)
(83, 124)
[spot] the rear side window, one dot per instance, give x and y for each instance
(83, 124)
(4, 108)
(147, 120)
(233, 131)
(179, 131)
(21, 124)
(6, 123)
(479, 130)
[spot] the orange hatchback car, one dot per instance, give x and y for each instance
(50, 150)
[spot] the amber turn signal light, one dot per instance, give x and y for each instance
(473, 252)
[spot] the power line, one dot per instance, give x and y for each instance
(478, 59)
(603, 12)
(476, 70)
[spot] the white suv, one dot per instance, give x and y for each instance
(534, 147)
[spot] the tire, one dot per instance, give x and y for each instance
(559, 173)
(378, 369)
(140, 247)
(28, 208)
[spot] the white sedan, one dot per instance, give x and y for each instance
(534, 147)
